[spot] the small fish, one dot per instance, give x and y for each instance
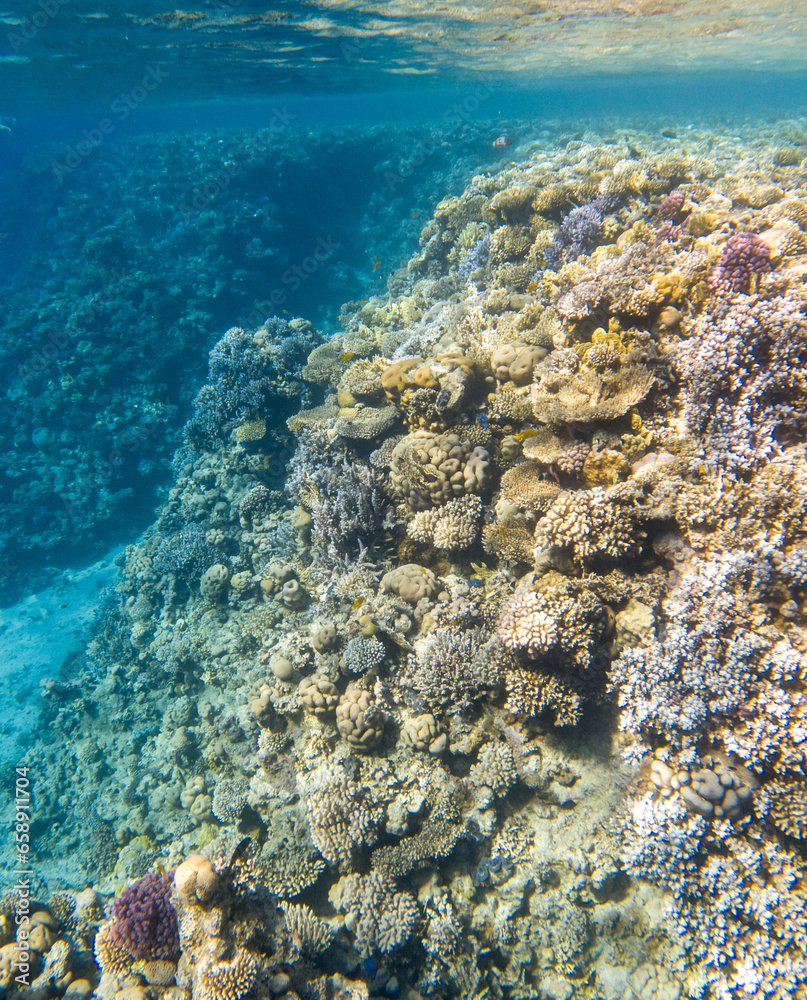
(482, 420)
(358, 603)
(415, 215)
(363, 302)
(63, 606)
(348, 356)
(501, 141)
(527, 433)
(533, 286)
(376, 263)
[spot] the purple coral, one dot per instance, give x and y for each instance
(144, 922)
(578, 231)
(742, 369)
(744, 256)
(671, 206)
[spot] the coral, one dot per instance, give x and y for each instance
(367, 423)
(495, 768)
(338, 816)
(475, 258)
(229, 800)
(745, 256)
(363, 653)
(422, 732)
(743, 369)
(590, 524)
(567, 389)
(451, 669)
(410, 582)
(427, 470)
(708, 665)
(310, 934)
(318, 694)
(515, 362)
(454, 527)
(382, 919)
(214, 582)
(349, 508)
(441, 832)
(249, 373)
(144, 923)
(787, 807)
(714, 789)
(290, 871)
(359, 720)
(526, 486)
(529, 693)
(113, 959)
(530, 622)
(671, 204)
(579, 230)
(254, 506)
(227, 979)
(187, 554)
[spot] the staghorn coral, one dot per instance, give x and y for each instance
(310, 934)
(709, 665)
(363, 653)
(530, 692)
(249, 374)
(349, 507)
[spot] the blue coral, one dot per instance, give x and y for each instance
(248, 378)
(476, 257)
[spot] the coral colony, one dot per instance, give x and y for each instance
(498, 686)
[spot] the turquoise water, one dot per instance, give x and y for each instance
(402, 550)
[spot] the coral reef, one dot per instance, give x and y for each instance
(467, 655)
